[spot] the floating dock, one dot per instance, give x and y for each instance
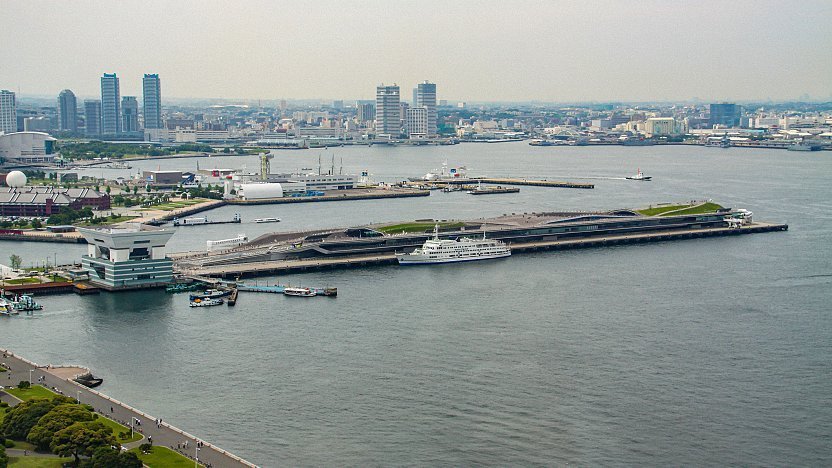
(278, 289)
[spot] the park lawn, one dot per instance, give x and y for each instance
(416, 227)
(35, 391)
(163, 457)
(661, 209)
(107, 221)
(22, 445)
(117, 429)
(23, 281)
(704, 208)
(37, 462)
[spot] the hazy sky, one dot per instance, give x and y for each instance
(474, 50)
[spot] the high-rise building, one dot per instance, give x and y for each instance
(152, 101)
(8, 112)
(92, 117)
(725, 114)
(110, 104)
(417, 122)
(426, 97)
(129, 114)
(67, 111)
(365, 111)
(388, 120)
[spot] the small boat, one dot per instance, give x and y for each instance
(206, 302)
(88, 380)
(7, 308)
(300, 292)
(25, 303)
(210, 294)
(183, 287)
(267, 220)
(639, 176)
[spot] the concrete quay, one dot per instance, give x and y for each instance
(165, 434)
(386, 258)
(512, 181)
(343, 195)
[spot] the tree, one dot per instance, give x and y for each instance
(60, 417)
(36, 223)
(24, 384)
(4, 459)
(23, 417)
(108, 457)
(82, 438)
(15, 261)
(108, 189)
(135, 189)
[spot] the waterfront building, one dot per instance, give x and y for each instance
(110, 104)
(417, 122)
(44, 200)
(27, 147)
(725, 114)
(67, 111)
(388, 120)
(127, 258)
(129, 114)
(8, 112)
(152, 101)
(661, 126)
(426, 97)
(92, 117)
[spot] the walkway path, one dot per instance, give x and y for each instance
(163, 435)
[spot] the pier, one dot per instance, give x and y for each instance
(512, 181)
(387, 258)
(164, 435)
(343, 195)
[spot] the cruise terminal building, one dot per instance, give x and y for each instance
(127, 258)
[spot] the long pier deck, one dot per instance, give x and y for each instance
(514, 181)
(295, 266)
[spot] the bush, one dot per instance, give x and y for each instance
(24, 384)
(8, 443)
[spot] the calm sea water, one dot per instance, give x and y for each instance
(712, 351)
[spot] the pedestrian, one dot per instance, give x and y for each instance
(111, 409)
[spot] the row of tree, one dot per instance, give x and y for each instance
(68, 429)
(100, 149)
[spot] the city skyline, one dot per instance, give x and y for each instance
(551, 52)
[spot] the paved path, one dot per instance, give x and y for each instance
(163, 435)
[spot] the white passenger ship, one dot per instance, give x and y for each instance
(213, 246)
(464, 249)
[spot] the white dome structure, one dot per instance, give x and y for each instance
(15, 179)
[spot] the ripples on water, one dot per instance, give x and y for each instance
(705, 352)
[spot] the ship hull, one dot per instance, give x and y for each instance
(403, 260)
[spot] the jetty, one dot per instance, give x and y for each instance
(529, 182)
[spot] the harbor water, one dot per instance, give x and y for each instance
(700, 352)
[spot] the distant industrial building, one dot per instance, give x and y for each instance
(8, 112)
(725, 114)
(46, 201)
(92, 117)
(27, 147)
(661, 126)
(110, 104)
(152, 101)
(388, 120)
(67, 111)
(426, 97)
(127, 258)
(129, 114)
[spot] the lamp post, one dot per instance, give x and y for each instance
(132, 421)
(79, 397)
(30, 376)
(196, 457)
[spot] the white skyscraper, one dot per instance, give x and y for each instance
(110, 104)
(426, 97)
(417, 122)
(388, 118)
(8, 112)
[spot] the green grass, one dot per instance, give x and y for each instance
(704, 208)
(118, 428)
(163, 457)
(23, 281)
(37, 462)
(20, 445)
(416, 227)
(665, 210)
(175, 205)
(107, 221)
(35, 391)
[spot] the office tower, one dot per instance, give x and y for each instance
(415, 97)
(129, 114)
(152, 101)
(725, 114)
(92, 117)
(365, 111)
(417, 122)
(67, 111)
(110, 100)
(8, 112)
(339, 104)
(426, 97)
(388, 120)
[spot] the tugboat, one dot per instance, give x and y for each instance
(639, 176)
(88, 380)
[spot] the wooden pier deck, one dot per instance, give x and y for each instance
(296, 266)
